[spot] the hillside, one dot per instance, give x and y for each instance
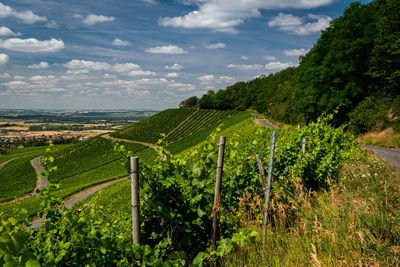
(354, 65)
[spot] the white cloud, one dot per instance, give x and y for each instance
(183, 87)
(206, 78)
(168, 49)
(224, 16)
(216, 46)
(4, 75)
(109, 76)
(245, 67)
(226, 79)
(4, 31)
(77, 71)
(244, 58)
(119, 42)
(92, 19)
(27, 17)
(3, 59)
(78, 16)
(77, 64)
(32, 45)
(151, 2)
(141, 73)
(276, 65)
(41, 78)
(19, 77)
(41, 65)
(172, 75)
(269, 58)
(52, 24)
(295, 52)
(175, 66)
(300, 25)
(14, 84)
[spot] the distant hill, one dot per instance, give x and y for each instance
(354, 65)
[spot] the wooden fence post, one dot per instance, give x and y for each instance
(262, 172)
(217, 194)
(135, 200)
(303, 145)
(267, 189)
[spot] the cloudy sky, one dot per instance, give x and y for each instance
(138, 54)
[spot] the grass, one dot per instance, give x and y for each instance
(357, 222)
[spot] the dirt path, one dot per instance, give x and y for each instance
(5, 162)
(40, 182)
(265, 123)
(153, 146)
(389, 154)
(75, 198)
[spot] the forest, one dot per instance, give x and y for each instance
(354, 66)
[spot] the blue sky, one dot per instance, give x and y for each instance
(138, 54)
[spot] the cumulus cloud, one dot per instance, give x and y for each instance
(4, 75)
(92, 19)
(4, 31)
(32, 45)
(41, 65)
(216, 46)
(3, 59)
(27, 17)
(206, 78)
(245, 67)
(300, 25)
(141, 73)
(168, 49)
(295, 52)
(244, 58)
(119, 42)
(88, 65)
(276, 65)
(52, 24)
(14, 84)
(175, 66)
(268, 58)
(172, 75)
(182, 87)
(224, 16)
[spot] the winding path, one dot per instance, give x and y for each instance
(265, 123)
(389, 154)
(79, 196)
(153, 146)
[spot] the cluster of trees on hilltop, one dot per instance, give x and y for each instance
(355, 64)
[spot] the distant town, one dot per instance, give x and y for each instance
(25, 128)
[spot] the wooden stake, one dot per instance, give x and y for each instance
(217, 194)
(262, 172)
(135, 200)
(303, 145)
(267, 189)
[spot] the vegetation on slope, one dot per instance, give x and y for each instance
(150, 129)
(354, 64)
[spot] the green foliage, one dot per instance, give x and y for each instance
(149, 130)
(357, 56)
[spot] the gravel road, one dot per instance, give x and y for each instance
(42, 181)
(389, 154)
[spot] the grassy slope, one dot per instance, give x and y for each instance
(149, 130)
(357, 222)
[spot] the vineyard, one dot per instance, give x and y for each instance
(149, 130)
(200, 120)
(176, 199)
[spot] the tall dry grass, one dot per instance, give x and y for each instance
(355, 223)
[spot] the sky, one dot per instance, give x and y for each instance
(147, 54)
